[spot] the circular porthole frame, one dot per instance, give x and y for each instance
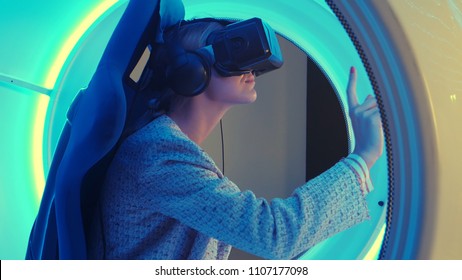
(409, 127)
(408, 124)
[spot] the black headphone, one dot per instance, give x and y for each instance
(188, 73)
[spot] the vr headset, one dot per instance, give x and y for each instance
(245, 46)
(248, 46)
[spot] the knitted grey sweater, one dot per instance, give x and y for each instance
(164, 198)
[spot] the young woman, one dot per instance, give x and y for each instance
(164, 197)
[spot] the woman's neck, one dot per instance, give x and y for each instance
(197, 120)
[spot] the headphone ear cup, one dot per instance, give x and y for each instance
(189, 73)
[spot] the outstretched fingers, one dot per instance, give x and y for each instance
(351, 89)
(366, 123)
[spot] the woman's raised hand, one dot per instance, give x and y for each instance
(366, 122)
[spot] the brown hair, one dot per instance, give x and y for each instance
(193, 34)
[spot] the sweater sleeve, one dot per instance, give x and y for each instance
(359, 166)
(187, 190)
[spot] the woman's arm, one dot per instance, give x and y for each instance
(277, 229)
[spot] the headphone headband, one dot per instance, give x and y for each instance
(184, 22)
(223, 22)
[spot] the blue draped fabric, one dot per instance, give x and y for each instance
(96, 121)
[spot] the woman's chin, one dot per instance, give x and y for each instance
(252, 97)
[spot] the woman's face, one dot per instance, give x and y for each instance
(232, 90)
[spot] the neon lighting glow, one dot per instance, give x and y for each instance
(37, 145)
(72, 41)
(42, 104)
(374, 251)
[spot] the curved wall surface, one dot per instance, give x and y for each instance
(434, 32)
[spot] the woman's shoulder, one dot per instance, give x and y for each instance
(161, 130)
(162, 141)
(162, 135)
